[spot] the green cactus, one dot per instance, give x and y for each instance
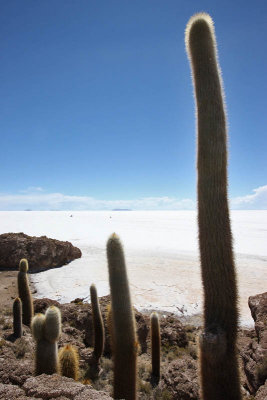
(17, 318)
(25, 293)
(46, 330)
(69, 362)
(155, 347)
(123, 323)
(219, 366)
(97, 323)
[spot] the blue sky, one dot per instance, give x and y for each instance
(97, 109)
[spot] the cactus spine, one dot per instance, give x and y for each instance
(25, 293)
(155, 347)
(46, 330)
(123, 323)
(17, 318)
(219, 366)
(69, 362)
(97, 323)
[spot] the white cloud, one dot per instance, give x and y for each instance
(32, 189)
(35, 198)
(255, 201)
(59, 201)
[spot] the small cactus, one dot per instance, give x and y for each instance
(69, 362)
(17, 318)
(123, 323)
(25, 293)
(46, 330)
(155, 347)
(218, 358)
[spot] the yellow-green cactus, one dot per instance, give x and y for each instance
(69, 362)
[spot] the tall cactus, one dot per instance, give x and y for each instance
(97, 323)
(17, 318)
(219, 366)
(155, 347)
(123, 323)
(46, 330)
(24, 292)
(98, 326)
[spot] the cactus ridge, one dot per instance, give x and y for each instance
(219, 366)
(123, 323)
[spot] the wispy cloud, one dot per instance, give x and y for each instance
(32, 189)
(35, 198)
(255, 201)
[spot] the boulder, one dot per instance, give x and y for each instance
(41, 252)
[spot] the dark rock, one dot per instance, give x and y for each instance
(41, 252)
(254, 354)
(258, 308)
(40, 305)
(172, 332)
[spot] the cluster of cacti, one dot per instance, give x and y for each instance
(123, 323)
(69, 362)
(219, 366)
(46, 330)
(25, 293)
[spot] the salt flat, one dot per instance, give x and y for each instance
(161, 251)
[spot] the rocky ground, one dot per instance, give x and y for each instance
(178, 352)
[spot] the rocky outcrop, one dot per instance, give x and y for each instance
(262, 392)
(179, 376)
(60, 387)
(254, 354)
(51, 387)
(180, 379)
(41, 252)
